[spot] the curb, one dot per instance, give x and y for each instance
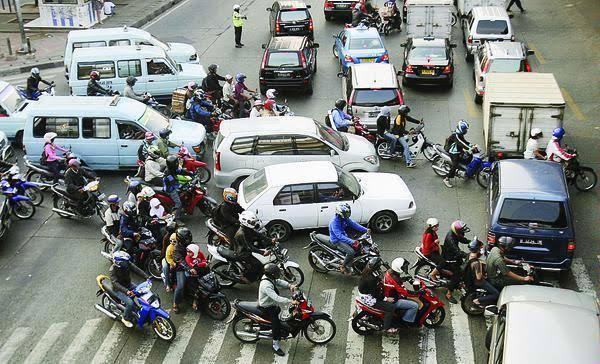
(9, 71)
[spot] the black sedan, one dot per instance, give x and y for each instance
(428, 61)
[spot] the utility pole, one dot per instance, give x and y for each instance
(23, 49)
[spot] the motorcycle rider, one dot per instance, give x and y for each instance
(271, 94)
(111, 215)
(154, 167)
(393, 286)
(184, 238)
(269, 108)
(211, 84)
(247, 240)
(371, 286)
(196, 263)
(191, 87)
(390, 10)
(338, 235)
(142, 153)
(451, 252)
(201, 110)
(456, 145)
(341, 120)
(357, 15)
(120, 278)
(269, 300)
(130, 92)
(475, 275)
(227, 214)
(227, 90)
(53, 161)
(168, 262)
(532, 150)
(94, 88)
(164, 143)
(496, 267)
(554, 151)
(383, 129)
(257, 109)
(143, 204)
(399, 129)
(171, 184)
(129, 227)
(241, 94)
(74, 182)
(33, 84)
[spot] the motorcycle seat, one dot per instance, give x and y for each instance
(227, 253)
(108, 289)
(63, 191)
(251, 306)
(322, 238)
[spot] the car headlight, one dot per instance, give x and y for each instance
(371, 159)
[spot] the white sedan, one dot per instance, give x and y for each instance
(304, 195)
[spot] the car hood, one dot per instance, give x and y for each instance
(191, 72)
(395, 188)
(187, 132)
(360, 146)
(422, 61)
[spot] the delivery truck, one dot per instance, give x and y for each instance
(465, 6)
(429, 18)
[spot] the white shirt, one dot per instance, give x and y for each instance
(532, 146)
(153, 169)
(255, 113)
(227, 91)
(110, 217)
(108, 7)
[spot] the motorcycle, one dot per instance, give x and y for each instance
(471, 164)
(5, 219)
(191, 164)
(41, 174)
(148, 310)
(215, 236)
(67, 207)
(249, 324)
(230, 270)
(423, 267)
(417, 143)
(161, 108)
(207, 290)
(323, 256)
(388, 21)
(21, 206)
(47, 91)
(24, 187)
(359, 128)
(583, 178)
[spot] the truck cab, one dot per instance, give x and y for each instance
(12, 112)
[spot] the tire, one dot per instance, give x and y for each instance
(405, 82)
(320, 252)
(203, 174)
(315, 69)
(585, 174)
(60, 203)
(202, 151)
(37, 177)
(358, 327)
(309, 89)
(483, 177)
(383, 222)
(441, 164)
(488, 338)
(335, 52)
(164, 328)
(320, 323)
(454, 19)
(207, 207)
(154, 265)
(220, 268)
(424, 269)
(218, 308)
(108, 246)
(293, 275)
(236, 184)
(435, 318)
(467, 305)
(238, 326)
(23, 209)
(381, 148)
(263, 90)
(35, 194)
(429, 152)
(327, 17)
(279, 229)
(478, 99)
(469, 57)
(19, 139)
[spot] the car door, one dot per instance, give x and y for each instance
(162, 79)
(329, 196)
(273, 149)
(296, 205)
(100, 143)
(129, 138)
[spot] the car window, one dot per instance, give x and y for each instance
(274, 145)
(130, 68)
(433, 53)
(546, 214)
(158, 67)
(505, 65)
(97, 128)
(348, 181)
(365, 43)
(243, 145)
(492, 27)
(293, 15)
(89, 44)
(378, 97)
(306, 145)
(278, 59)
(119, 42)
(333, 137)
(64, 127)
(129, 131)
(153, 120)
(106, 69)
(295, 195)
(332, 192)
(254, 185)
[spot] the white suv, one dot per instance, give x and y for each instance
(485, 24)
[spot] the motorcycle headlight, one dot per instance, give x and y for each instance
(371, 159)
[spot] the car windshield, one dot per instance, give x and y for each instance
(153, 120)
(254, 185)
(505, 65)
(380, 97)
(278, 59)
(365, 43)
(160, 43)
(492, 27)
(548, 214)
(333, 137)
(293, 15)
(348, 180)
(10, 98)
(433, 53)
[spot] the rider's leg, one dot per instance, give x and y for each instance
(491, 297)
(407, 156)
(392, 140)
(349, 252)
(411, 308)
(129, 305)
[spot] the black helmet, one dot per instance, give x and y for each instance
(272, 271)
(213, 68)
(164, 133)
(131, 80)
(506, 242)
(340, 104)
(172, 162)
(184, 235)
(374, 263)
(403, 110)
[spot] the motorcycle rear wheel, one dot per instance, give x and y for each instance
(23, 209)
(483, 177)
(359, 327)
(441, 163)
(164, 328)
(39, 178)
(423, 269)
(154, 265)
(218, 308)
(467, 305)
(435, 318)
(35, 194)
(203, 174)
(293, 275)
(314, 263)
(322, 326)
(381, 148)
(222, 269)
(206, 207)
(61, 204)
(585, 179)
(240, 324)
(429, 152)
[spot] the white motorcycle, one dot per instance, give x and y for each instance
(417, 143)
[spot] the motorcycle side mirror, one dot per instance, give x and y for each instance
(332, 152)
(491, 311)
(341, 75)
(308, 6)
(530, 52)
(269, 9)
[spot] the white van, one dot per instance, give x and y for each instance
(155, 71)
(244, 146)
(485, 24)
(124, 36)
(12, 111)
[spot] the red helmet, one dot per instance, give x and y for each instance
(269, 105)
(95, 75)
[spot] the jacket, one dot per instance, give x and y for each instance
(393, 287)
(121, 277)
(163, 146)
(50, 152)
(399, 127)
(129, 92)
(129, 226)
(340, 118)
(179, 254)
(383, 125)
(248, 241)
(143, 150)
(371, 285)
(238, 19)
(268, 295)
(169, 256)
(94, 89)
(428, 244)
(154, 169)
(338, 227)
(457, 143)
(74, 180)
(198, 111)
(33, 83)
(211, 82)
(198, 262)
(451, 251)
(227, 214)
(555, 152)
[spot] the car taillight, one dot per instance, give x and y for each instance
(400, 98)
(527, 67)
(385, 57)
(470, 39)
(218, 161)
(571, 247)
(348, 58)
(328, 4)
(277, 26)
(303, 60)
(264, 60)
(409, 69)
(491, 238)
(447, 69)
(500, 155)
(310, 25)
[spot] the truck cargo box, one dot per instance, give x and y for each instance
(465, 6)
(429, 18)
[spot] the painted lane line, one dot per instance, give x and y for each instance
(80, 341)
(184, 334)
(319, 352)
(163, 15)
(538, 54)
(573, 105)
(247, 352)
(53, 333)
(390, 349)
(582, 278)
(428, 351)
(107, 348)
(355, 343)
(286, 349)
(463, 348)
(214, 343)
(13, 343)
(470, 104)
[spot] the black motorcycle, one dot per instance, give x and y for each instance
(65, 206)
(206, 290)
(583, 178)
(41, 174)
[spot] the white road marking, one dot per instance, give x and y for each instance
(355, 343)
(163, 15)
(582, 278)
(390, 349)
(319, 352)
(428, 352)
(107, 348)
(14, 341)
(246, 354)
(38, 353)
(80, 341)
(145, 347)
(286, 349)
(184, 334)
(463, 348)
(214, 343)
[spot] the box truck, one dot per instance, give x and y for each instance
(429, 18)
(465, 6)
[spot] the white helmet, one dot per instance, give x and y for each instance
(49, 136)
(535, 132)
(228, 77)
(194, 249)
(432, 221)
(400, 265)
(154, 203)
(146, 192)
(35, 71)
(249, 220)
(236, 7)
(271, 93)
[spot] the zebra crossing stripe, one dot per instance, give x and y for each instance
(582, 278)
(38, 353)
(145, 347)
(107, 348)
(184, 334)
(428, 351)
(319, 352)
(13, 343)
(247, 352)
(214, 343)
(463, 347)
(81, 341)
(390, 349)
(355, 343)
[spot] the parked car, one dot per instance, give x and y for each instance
(12, 112)
(428, 61)
(105, 131)
(529, 201)
(304, 195)
(498, 57)
(359, 45)
(535, 324)
(338, 8)
(288, 63)
(290, 17)
(485, 24)
(241, 147)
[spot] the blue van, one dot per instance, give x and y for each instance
(529, 201)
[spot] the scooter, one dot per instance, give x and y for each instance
(148, 310)
(207, 290)
(583, 178)
(5, 219)
(66, 207)
(389, 21)
(24, 187)
(215, 236)
(471, 165)
(423, 266)
(21, 206)
(40, 174)
(359, 128)
(191, 164)
(161, 108)
(417, 144)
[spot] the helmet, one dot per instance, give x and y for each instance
(194, 249)
(374, 263)
(153, 152)
(403, 110)
(154, 203)
(228, 77)
(213, 68)
(340, 104)
(258, 103)
(459, 227)
(149, 136)
(131, 80)
(49, 136)
(535, 132)
(272, 271)
(121, 259)
(386, 111)
(271, 93)
(236, 7)
(129, 208)
(74, 162)
(184, 235)
(113, 199)
(400, 265)
(432, 221)
(389, 4)
(230, 194)
(172, 162)
(199, 93)
(192, 85)
(240, 77)
(147, 192)
(249, 219)
(475, 245)
(558, 133)
(506, 242)
(343, 210)
(95, 75)
(164, 133)
(173, 238)
(462, 127)
(35, 71)
(269, 104)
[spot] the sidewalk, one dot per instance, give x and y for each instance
(50, 45)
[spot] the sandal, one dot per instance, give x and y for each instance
(175, 308)
(451, 299)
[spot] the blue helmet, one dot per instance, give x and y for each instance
(121, 259)
(462, 127)
(558, 133)
(240, 77)
(343, 210)
(113, 199)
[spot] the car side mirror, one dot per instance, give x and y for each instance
(269, 9)
(530, 52)
(452, 45)
(308, 6)
(332, 152)
(315, 45)
(341, 75)
(491, 311)
(402, 45)
(263, 46)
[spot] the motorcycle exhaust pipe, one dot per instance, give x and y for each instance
(442, 170)
(64, 212)
(319, 259)
(105, 311)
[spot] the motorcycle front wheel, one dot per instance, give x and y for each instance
(585, 179)
(322, 255)
(35, 194)
(423, 270)
(37, 177)
(218, 308)
(203, 174)
(293, 275)
(320, 331)
(435, 318)
(429, 152)
(154, 265)
(223, 271)
(207, 207)
(245, 330)
(359, 326)
(164, 328)
(23, 209)
(61, 204)
(467, 305)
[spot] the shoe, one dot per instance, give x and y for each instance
(175, 308)
(238, 46)
(242, 44)
(451, 299)
(523, 11)
(410, 165)
(278, 352)
(127, 323)
(448, 183)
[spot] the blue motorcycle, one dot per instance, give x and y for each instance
(24, 187)
(21, 206)
(471, 165)
(148, 310)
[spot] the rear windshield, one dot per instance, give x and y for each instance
(505, 65)
(434, 53)
(254, 185)
(375, 97)
(293, 15)
(365, 43)
(492, 27)
(278, 59)
(546, 214)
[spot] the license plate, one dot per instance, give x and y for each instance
(428, 72)
(367, 60)
(296, 29)
(373, 114)
(342, 6)
(284, 75)
(531, 242)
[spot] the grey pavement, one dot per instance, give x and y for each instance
(48, 265)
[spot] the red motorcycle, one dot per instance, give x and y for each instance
(359, 128)
(191, 164)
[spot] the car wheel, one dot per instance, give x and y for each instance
(279, 230)
(405, 82)
(236, 184)
(263, 90)
(327, 17)
(309, 88)
(383, 222)
(469, 57)
(478, 99)
(19, 139)
(315, 70)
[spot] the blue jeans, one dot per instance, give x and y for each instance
(180, 275)
(177, 201)
(407, 157)
(165, 273)
(491, 297)
(411, 308)
(348, 251)
(129, 306)
(392, 140)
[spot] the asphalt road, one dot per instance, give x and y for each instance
(48, 265)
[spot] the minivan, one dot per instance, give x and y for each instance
(105, 131)
(155, 71)
(484, 24)
(290, 17)
(124, 36)
(367, 87)
(241, 147)
(529, 201)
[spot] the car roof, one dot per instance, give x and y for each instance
(291, 43)
(116, 106)
(292, 173)
(374, 75)
(363, 32)
(513, 50)
(489, 12)
(268, 125)
(532, 177)
(424, 42)
(75, 35)
(117, 52)
(292, 5)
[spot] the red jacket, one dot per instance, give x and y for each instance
(428, 244)
(198, 262)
